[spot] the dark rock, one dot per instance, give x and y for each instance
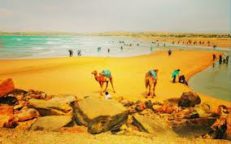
(107, 123)
(8, 100)
(221, 128)
(228, 131)
(192, 127)
(151, 123)
(78, 116)
(149, 104)
(18, 92)
(189, 99)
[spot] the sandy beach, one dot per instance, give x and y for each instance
(72, 76)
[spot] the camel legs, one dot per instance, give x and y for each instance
(111, 81)
(101, 88)
(150, 85)
(106, 87)
(154, 87)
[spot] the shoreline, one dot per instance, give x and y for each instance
(46, 74)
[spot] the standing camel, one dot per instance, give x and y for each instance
(103, 78)
(150, 82)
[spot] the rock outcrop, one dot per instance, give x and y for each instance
(189, 99)
(51, 122)
(54, 106)
(6, 86)
(151, 123)
(99, 115)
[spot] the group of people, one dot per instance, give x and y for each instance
(71, 52)
(221, 59)
(105, 77)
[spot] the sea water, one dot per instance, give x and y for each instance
(214, 81)
(57, 46)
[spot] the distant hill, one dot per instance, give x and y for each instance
(133, 34)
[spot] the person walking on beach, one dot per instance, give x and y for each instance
(169, 52)
(70, 52)
(175, 73)
(151, 81)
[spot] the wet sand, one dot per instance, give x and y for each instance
(72, 76)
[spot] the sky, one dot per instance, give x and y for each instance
(115, 15)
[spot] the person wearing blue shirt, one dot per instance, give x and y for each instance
(175, 73)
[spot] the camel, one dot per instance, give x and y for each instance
(102, 79)
(150, 84)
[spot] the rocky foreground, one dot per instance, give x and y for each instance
(35, 117)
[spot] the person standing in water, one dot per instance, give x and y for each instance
(79, 52)
(175, 73)
(220, 59)
(70, 52)
(227, 59)
(121, 48)
(98, 49)
(108, 50)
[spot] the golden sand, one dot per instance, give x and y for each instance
(73, 75)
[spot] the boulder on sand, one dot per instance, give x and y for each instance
(107, 123)
(54, 106)
(189, 99)
(99, 115)
(51, 122)
(228, 131)
(193, 127)
(26, 114)
(6, 116)
(94, 107)
(6, 86)
(151, 123)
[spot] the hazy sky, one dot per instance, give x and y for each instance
(116, 15)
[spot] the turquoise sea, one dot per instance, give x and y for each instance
(58, 46)
(214, 81)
